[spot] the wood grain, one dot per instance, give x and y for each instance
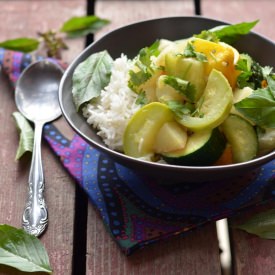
(251, 255)
(197, 252)
(25, 18)
(129, 11)
(236, 11)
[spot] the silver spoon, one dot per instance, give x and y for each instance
(36, 97)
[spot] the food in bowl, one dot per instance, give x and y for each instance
(195, 101)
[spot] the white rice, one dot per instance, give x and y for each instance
(111, 111)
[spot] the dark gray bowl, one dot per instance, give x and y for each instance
(129, 40)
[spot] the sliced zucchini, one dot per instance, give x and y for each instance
(242, 137)
(141, 131)
(214, 105)
(266, 139)
(202, 148)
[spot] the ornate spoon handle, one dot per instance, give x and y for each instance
(35, 216)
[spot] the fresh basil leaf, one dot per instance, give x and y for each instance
(183, 87)
(90, 77)
(271, 85)
(262, 225)
(231, 33)
(267, 70)
(228, 33)
(259, 107)
(189, 51)
(83, 25)
(22, 251)
(26, 135)
(23, 44)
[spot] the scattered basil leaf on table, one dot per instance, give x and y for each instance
(23, 44)
(90, 77)
(53, 40)
(262, 225)
(26, 135)
(22, 251)
(83, 25)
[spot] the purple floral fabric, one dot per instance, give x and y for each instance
(138, 211)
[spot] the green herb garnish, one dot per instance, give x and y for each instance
(183, 87)
(189, 51)
(259, 107)
(208, 35)
(252, 74)
(228, 34)
(144, 68)
(23, 44)
(261, 224)
(26, 135)
(54, 41)
(82, 25)
(90, 77)
(146, 53)
(22, 251)
(141, 99)
(180, 108)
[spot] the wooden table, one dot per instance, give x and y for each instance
(76, 239)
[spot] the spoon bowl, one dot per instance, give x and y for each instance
(36, 93)
(36, 97)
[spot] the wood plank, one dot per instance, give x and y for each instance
(197, 252)
(236, 11)
(127, 11)
(25, 18)
(251, 255)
